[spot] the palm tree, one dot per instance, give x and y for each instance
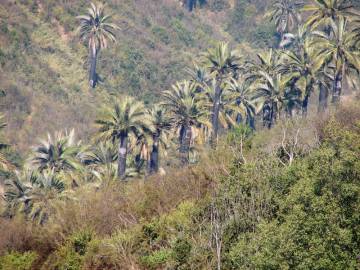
(340, 50)
(124, 118)
(222, 64)
(186, 112)
(326, 11)
(303, 68)
(241, 95)
(33, 194)
(285, 15)
(267, 61)
(59, 153)
(97, 32)
(161, 123)
(271, 90)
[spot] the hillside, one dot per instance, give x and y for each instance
(44, 67)
(179, 135)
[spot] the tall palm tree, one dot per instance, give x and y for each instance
(124, 118)
(303, 69)
(339, 50)
(162, 124)
(271, 90)
(222, 64)
(186, 112)
(33, 193)
(285, 15)
(59, 153)
(97, 31)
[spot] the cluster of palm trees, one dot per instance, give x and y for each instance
(222, 91)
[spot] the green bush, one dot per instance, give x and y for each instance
(17, 261)
(156, 259)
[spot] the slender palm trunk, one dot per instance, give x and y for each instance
(185, 138)
(337, 87)
(122, 157)
(308, 90)
(92, 73)
(323, 98)
(215, 112)
(190, 5)
(154, 156)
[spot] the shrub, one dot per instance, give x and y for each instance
(17, 261)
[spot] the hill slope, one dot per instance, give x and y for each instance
(44, 66)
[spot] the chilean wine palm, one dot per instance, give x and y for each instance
(285, 15)
(271, 90)
(58, 153)
(126, 117)
(222, 64)
(241, 95)
(302, 67)
(33, 194)
(326, 11)
(96, 30)
(162, 124)
(339, 50)
(186, 112)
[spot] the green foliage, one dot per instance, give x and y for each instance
(156, 259)
(70, 256)
(17, 261)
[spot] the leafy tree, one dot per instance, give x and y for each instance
(340, 50)
(124, 118)
(222, 64)
(58, 153)
(96, 30)
(186, 113)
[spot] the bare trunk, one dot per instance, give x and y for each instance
(92, 73)
(190, 5)
(323, 98)
(122, 157)
(154, 156)
(215, 112)
(185, 138)
(337, 87)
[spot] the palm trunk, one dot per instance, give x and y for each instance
(92, 74)
(154, 156)
(185, 137)
(215, 112)
(190, 5)
(122, 157)
(323, 98)
(337, 87)
(308, 90)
